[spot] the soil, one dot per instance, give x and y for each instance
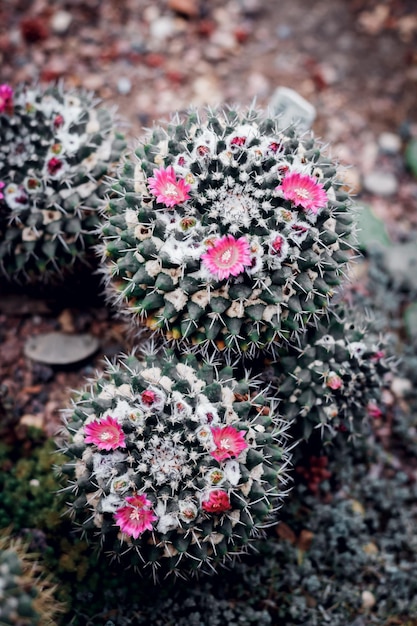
(354, 60)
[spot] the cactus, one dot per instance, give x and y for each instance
(177, 466)
(227, 233)
(55, 150)
(333, 379)
(26, 598)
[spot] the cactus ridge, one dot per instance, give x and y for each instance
(56, 147)
(174, 467)
(226, 232)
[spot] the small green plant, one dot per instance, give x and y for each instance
(8, 416)
(226, 232)
(176, 465)
(26, 596)
(56, 147)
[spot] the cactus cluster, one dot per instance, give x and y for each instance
(26, 599)
(56, 147)
(177, 464)
(333, 379)
(226, 232)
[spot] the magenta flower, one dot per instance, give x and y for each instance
(227, 257)
(334, 381)
(1, 187)
(6, 95)
(229, 442)
(136, 517)
(304, 191)
(54, 166)
(217, 502)
(167, 189)
(106, 434)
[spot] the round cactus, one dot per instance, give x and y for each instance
(176, 467)
(55, 149)
(26, 598)
(332, 381)
(228, 232)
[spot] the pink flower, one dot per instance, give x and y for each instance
(6, 95)
(229, 442)
(227, 257)
(334, 381)
(167, 189)
(374, 411)
(217, 502)
(304, 191)
(106, 434)
(148, 397)
(54, 166)
(136, 517)
(1, 187)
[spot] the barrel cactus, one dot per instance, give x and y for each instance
(226, 232)
(174, 466)
(56, 147)
(26, 598)
(332, 380)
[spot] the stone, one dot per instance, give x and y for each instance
(162, 28)
(389, 143)
(60, 22)
(368, 600)
(58, 348)
(292, 108)
(124, 85)
(381, 183)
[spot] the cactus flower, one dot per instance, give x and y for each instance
(227, 257)
(6, 95)
(106, 434)
(218, 501)
(229, 442)
(136, 517)
(167, 189)
(304, 191)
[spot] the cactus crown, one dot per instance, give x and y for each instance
(177, 466)
(227, 231)
(55, 149)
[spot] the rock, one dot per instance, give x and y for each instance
(390, 143)
(189, 8)
(60, 22)
(368, 600)
(381, 183)
(124, 86)
(66, 321)
(60, 348)
(162, 28)
(292, 108)
(35, 421)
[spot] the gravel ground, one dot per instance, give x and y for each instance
(354, 60)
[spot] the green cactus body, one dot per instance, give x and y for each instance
(175, 467)
(228, 232)
(26, 599)
(333, 379)
(55, 149)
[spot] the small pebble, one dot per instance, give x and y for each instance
(124, 86)
(368, 599)
(390, 143)
(381, 183)
(61, 22)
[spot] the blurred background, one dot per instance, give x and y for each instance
(354, 60)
